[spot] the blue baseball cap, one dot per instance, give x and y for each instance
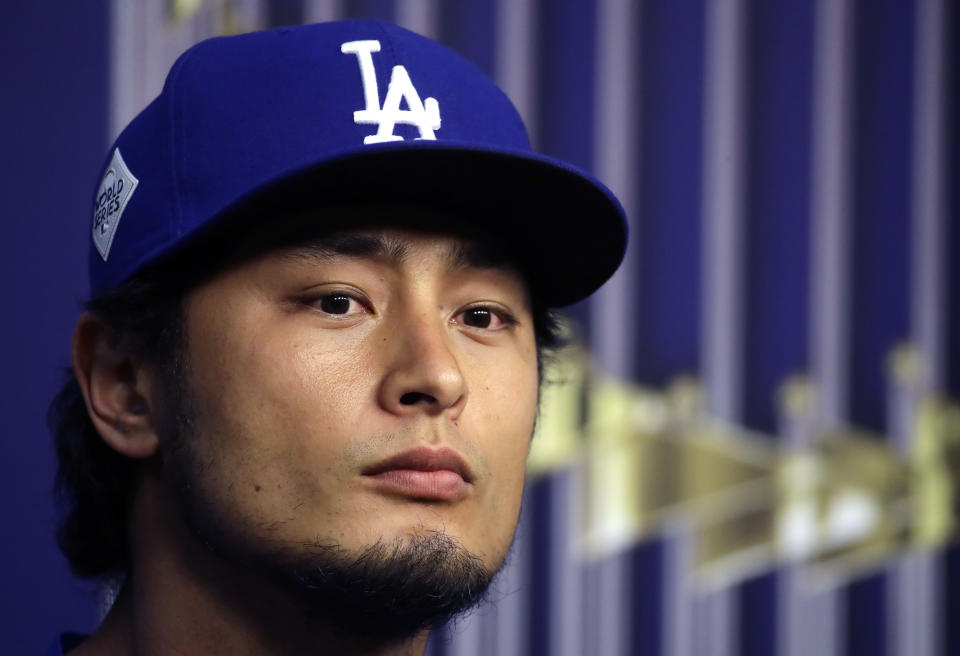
(348, 111)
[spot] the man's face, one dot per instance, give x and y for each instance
(328, 381)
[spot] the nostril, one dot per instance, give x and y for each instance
(412, 398)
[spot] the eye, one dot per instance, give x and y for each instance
(339, 304)
(485, 318)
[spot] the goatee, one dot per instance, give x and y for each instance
(387, 591)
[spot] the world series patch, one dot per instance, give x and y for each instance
(112, 198)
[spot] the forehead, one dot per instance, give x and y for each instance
(401, 247)
(390, 232)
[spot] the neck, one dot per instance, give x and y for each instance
(180, 599)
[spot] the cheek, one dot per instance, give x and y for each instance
(507, 405)
(284, 375)
(512, 410)
(511, 404)
(276, 410)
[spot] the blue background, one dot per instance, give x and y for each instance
(54, 107)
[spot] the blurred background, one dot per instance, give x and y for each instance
(753, 447)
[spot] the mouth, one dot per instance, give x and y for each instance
(423, 473)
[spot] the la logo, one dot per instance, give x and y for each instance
(425, 116)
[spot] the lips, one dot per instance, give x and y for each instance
(423, 473)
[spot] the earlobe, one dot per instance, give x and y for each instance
(116, 388)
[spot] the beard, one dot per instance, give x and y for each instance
(384, 592)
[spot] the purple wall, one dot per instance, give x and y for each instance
(54, 94)
(54, 83)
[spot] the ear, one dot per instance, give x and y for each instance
(116, 389)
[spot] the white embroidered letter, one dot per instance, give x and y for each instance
(424, 115)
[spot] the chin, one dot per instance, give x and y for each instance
(412, 522)
(393, 586)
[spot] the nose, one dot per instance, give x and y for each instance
(423, 374)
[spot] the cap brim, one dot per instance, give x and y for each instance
(567, 230)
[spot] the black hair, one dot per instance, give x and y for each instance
(95, 484)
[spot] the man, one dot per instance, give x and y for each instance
(322, 264)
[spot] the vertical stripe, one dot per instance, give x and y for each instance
(591, 599)
(378, 9)
(775, 339)
(916, 598)
(716, 613)
(951, 606)
(140, 57)
(678, 590)
(881, 239)
(205, 22)
(501, 625)
(147, 43)
(757, 625)
(615, 162)
(813, 621)
(566, 83)
(121, 67)
(952, 140)
(613, 618)
(606, 607)
(807, 617)
(515, 61)
(541, 585)
(777, 230)
(566, 80)
(565, 89)
(421, 16)
(665, 279)
(866, 627)
(723, 208)
(321, 11)
(912, 613)
(916, 622)
(142, 54)
(249, 15)
(288, 12)
(512, 592)
(566, 612)
(154, 63)
(465, 635)
(615, 148)
(810, 618)
(929, 192)
(715, 622)
(469, 28)
(667, 240)
(831, 207)
(881, 208)
(498, 626)
(647, 610)
(556, 586)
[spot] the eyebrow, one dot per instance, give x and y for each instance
(469, 254)
(329, 246)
